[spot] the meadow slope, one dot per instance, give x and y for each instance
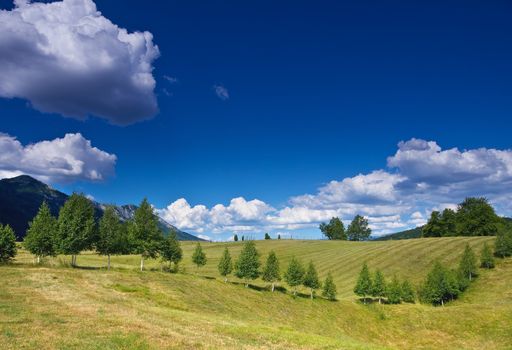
(56, 307)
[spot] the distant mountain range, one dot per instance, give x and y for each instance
(21, 197)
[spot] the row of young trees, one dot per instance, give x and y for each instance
(473, 217)
(76, 230)
(358, 230)
(247, 267)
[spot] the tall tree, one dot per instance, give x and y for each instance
(40, 238)
(199, 257)
(358, 229)
(448, 223)
(408, 295)
(476, 217)
(433, 228)
(248, 263)
(379, 286)
(171, 251)
(394, 291)
(294, 275)
(76, 226)
(271, 271)
(334, 230)
(145, 234)
(225, 264)
(486, 258)
(267, 236)
(112, 235)
(503, 243)
(329, 288)
(7, 244)
(235, 238)
(279, 236)
(311, 280)
(467, 265)
(364, 285)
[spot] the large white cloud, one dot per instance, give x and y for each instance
(65, 57)
(420, 177)
(61, 160)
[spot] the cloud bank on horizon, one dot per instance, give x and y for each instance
(420, 177)
(65, 57)
(62, 160)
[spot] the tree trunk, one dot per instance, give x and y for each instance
(442, 302)
(108, 262)
(141, 263)
(39, 259)
(273, 287)
(380, 300)
(311, 293)
(225, 279)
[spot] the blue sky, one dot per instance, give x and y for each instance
(266, 100)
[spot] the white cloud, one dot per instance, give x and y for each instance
(171, 80)
(421, 177)
(221, 92)
(205, 237)
(65, 57)
(60, 160)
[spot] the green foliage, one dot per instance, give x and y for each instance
(364, 285)
(170, 250)
(329, 288)
(467, 265)
(271, 271)
(112, 234)
(40, 238)
(199, 257)
(503, 244)
(248, 263)
(76, 226)
(267, 236)
(358, 229)
(235, 238)
(334, 230)
(378, 286)
(225, 264)
(311, 280)
(440, 286)
(294, 275)
(145, 234)
(278, 236)
(486, 258)
(7, 244)
(433, 227)
(408, 294)
(476, 217)
(394, 291)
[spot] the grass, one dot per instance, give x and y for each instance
(57, 307)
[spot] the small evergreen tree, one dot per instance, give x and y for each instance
(503, 243)
(225, 264)
(7, 244)
(248, 263)
(486, 258)
(467, 265)
(76, 226)
(199, 257)
(394, 291)
(278, 236)
(378, 286)
(294, 274)
(311, 280)
(235, 238)
(112, 235)
(40, 238)
(454, 287)
(170, 250)
(407, 292)
(334, 230)
(145, 233)
(358, 230)
(436, 290)
(243, 238)
(267, 236)
(364, 285)
(271, 271)
(329, 288)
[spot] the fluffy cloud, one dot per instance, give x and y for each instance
(60, 160)
(420, 177)
(65, 57)
(221, 92)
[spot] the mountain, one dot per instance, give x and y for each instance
(21, 197)
(407, 234)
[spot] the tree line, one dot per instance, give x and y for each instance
(358, 230)
(473, 217)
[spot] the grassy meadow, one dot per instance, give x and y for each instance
(57, 307)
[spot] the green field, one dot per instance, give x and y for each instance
(57, 307)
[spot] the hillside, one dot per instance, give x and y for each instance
(407, 234)
(21, 197)
(57, 307)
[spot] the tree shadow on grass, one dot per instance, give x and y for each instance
(88, 267)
